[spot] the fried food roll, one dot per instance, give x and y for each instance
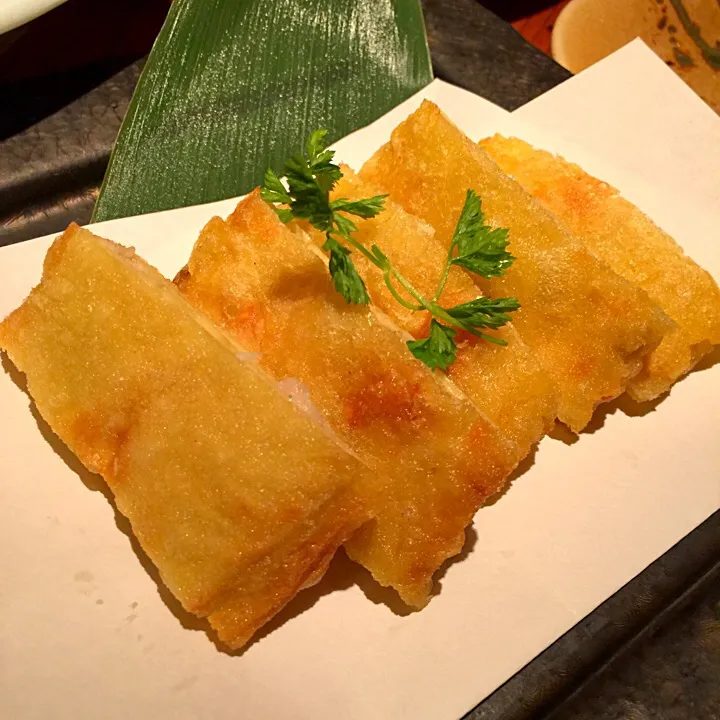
(435, 458)
(238, 497)
(507, 384)
(634, 247)
(589, 327)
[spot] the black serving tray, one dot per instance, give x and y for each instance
(650, 651)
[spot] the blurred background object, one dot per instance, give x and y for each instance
(14, 13)
(578, 33)
(684, 33)
(533, 19)
(60, 56)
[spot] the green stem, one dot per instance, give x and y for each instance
(410, 289)
(432, 307)
(358, 246)
(489, 338)
(446, 273)
(397, 295)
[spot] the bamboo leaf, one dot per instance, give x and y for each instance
(233, 87)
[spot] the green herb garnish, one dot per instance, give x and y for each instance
(475, 246)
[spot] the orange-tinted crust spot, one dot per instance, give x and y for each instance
(583, 367)
(388, 398)
(246, 320)
(98, 441)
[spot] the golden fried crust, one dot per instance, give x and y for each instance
(435, 458)
(506, 383)
(237, 497)
(589, 327)
(634, 247)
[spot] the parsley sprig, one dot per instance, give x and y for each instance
(475, 246)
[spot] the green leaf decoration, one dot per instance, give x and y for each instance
(438, 349)
(233, 87)
(480, 248)
(485, 312)
(345, 277)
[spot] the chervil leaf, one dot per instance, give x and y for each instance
(484, 312)
(367, 208)
(488, 258)
(345, 277)
(326, 173)
(480, 248)
(315, 145)
(470, 222)
(285, 214)
(309, 200)
(319, 162)
(438, 349)
(310, 181)
(311, 177)
(273, 190)
(344, 225)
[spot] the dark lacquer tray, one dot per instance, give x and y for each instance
(653, 649)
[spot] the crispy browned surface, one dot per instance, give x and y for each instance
(589, 327)
(237, 497)
(435, 457)
(633, 246)
(506, 383)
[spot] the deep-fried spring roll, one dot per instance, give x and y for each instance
(634, 247)
(435, 458)
(506, 383)
(237, 496)
(589, 327)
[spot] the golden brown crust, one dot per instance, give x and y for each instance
(435, 458)
(588, 327)
(235, 495)
(235, 620)
(506, 383)
(634, 247)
